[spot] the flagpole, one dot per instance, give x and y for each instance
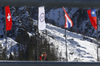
(37, 35)
(6, 38)
(6, 44)
(66, 45)
(37, 41)
(97, 38)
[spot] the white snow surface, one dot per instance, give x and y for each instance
(11, 46)
(78, 49)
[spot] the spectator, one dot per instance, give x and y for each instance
(43, 57)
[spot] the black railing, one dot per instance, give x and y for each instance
(30, 63)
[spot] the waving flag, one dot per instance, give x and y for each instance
(8, 18)
(92, 17)
(68, 21)
(41, 18)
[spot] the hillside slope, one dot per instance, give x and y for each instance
(79, 49)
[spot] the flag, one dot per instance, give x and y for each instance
(68, 21)
(92, 17)
(41, 18)
(8, 18)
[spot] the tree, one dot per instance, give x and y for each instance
(11, 57)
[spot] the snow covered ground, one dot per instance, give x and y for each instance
(78, 49)
(12, 46)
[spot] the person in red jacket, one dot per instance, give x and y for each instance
(43, 57)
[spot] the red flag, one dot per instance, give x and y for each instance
(8, 18)
(92, 17)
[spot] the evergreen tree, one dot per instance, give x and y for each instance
(11, 57)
